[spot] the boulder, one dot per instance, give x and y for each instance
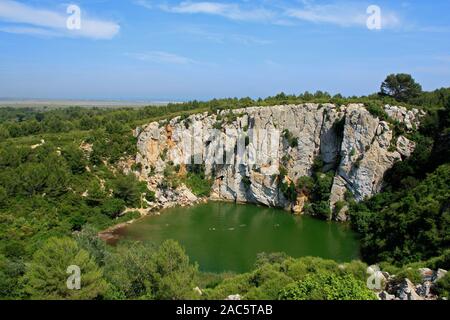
(407, 291)
(424, 290)
(427, 274)
(405, 146)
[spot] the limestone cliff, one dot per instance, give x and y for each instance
(352, 143)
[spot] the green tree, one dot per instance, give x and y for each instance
(11, 272)
(46, 275)
(126, 187)
(75, 159)
(140, 271)
(113, 207)
(174, 277)
(88, 240)
(401, 86)
(129, 270)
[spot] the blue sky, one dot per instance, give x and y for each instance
(180, 50)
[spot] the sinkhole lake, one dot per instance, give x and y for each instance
(227, 237)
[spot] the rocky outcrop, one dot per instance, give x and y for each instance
(405, 289)
(352, 143)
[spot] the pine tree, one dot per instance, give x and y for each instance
(46, 276)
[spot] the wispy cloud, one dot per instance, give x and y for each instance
(343, 14)
(47, 22)
(162, 57)
(222, 38)
(348, 14)
(231, 11)
(143, 3)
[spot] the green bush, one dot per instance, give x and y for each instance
(325, 286)
(443, 286)
(141, 271)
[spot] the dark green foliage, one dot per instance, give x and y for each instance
(401, 87)
(247, 182)
(320, 196)
(113, 207)
(11, 271)
(289, 191)
(75, 159)
(408, 225)
(377, 110)
(322, 209)
(77, 221)
(127, 188)
(111, 145)
(150, 196)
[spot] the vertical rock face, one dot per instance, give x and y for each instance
(353, 144)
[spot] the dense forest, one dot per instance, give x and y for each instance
(61, 183)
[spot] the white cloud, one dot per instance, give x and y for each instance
(144, 3)
(47, 22)
(162, 57)
(231, 11)
(342, 14)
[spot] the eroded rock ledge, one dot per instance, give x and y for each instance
(352, 143)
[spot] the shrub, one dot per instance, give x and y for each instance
(443, 286)
(327, 286)
(247, 182)
(377, 110)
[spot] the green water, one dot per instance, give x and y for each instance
(227, 237)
